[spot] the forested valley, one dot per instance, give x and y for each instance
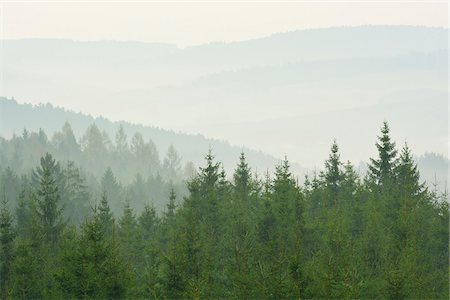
(71, 229)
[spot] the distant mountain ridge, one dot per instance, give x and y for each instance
(14, 117)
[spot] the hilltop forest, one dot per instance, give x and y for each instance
(76, 222)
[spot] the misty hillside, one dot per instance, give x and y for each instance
(15, 117)
(192, 148)
(309, 85)
(95, 207)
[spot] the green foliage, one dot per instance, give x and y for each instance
(48, 208)
(7, 236)
(335, 237)
(381, 169)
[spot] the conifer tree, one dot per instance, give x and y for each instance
(172, 164)
(113, 190)
(66, 143)
(407, 175)
(148, 221)
(171, 206)
(92, 268)
(48, 206)
(26, 272)
(105, 216)
(74, 195)
(24, 213)
(121, 142)
(333, 175)
(382, 168)
(128, 237)
(242, 180)
(7, 236)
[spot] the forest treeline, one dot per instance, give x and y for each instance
(126, 168)
(335, 236)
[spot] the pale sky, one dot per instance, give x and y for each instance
(196, 22)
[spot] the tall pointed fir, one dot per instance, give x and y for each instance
(75, 195)
(113, 190)
(48, 206)
(105, 216)
(171, 206)
(240, 235)
(333, 175)
(407, 175)
(382, 168)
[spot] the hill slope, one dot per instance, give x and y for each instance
(14, 117)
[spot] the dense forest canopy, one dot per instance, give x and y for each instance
(71, 228)
(125, 168)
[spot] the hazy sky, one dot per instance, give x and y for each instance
(196, 22)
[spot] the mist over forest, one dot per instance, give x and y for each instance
(308, 164)
(302, 88)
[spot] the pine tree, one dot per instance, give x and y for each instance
(148, 222)
(172, 164)
(94, 148)
(407, 175)
(240, 235)
(121, 142)
(148, 243)
(48, 206)
(333, 174)
(91, 267)
(113, 190)
(145, 156)
(382, 169)
(105, 216)
(128, 220)
(66, 144)
(24, 213)
(171, 206)
(75, 196)
(242, 180)
(7, 236)
(127, 236)
(26, 271)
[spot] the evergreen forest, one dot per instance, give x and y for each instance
(96, 219)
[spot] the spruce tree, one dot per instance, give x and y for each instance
(172, 164)
(7, 236)
(148, 222)
(105, 216)
(24, 213)
(75, 195)
(407, 175)
(113, 190)
(48, 206)
(121, 142)
(382, 168)
(242, 180)
(91, 267)
(171, 206)
(333, 174)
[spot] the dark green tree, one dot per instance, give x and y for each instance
(333, 175)
(48, 204)
(382, 168)
(113, 190)
(7, 236)
(105, 216)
